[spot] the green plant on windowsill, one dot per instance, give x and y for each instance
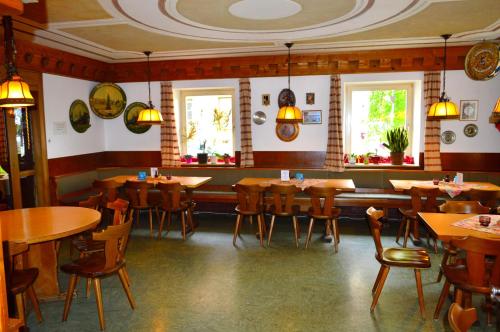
(397, 142)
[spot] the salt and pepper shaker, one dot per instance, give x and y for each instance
(446, 178)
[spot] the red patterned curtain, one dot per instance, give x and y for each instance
(245, 124)
(335, 148)
(432, 152)
(170, 156)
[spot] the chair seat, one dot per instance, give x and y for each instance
(183, 207)
(408, 213)
(457, 275)
(92, 266)
(142, 207)
(22, 279)
(405, 257)
(295, 211)
(335, 214)
(88, 245)
(246, 212)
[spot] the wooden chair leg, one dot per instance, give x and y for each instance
(374, 288)
(69, 296)
(236, 228)
(169, 220)
(189, 215)
(88, 283)
(294, 221)
(444, 261)
(380, 285)
(183, 225)
(271, 230)
(309, 232)
(98, 300)
(402, 225)
(335, 236)
(20, 308)
(407, 232)
(126, 288)
(34, 301)
(259, 225)
(337, 230)
(150, 213)
(418, 280)
(162, 220)
(442, 298)
(125, 274)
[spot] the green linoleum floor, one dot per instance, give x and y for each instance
(206, 284)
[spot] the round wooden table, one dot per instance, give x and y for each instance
(39, 227)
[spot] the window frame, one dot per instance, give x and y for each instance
(349, 87)
(183, 93)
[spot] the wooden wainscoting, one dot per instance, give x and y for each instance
(460, 161)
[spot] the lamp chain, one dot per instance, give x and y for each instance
(149, 79)
(10, 47)
(289, 67)
(444, 65)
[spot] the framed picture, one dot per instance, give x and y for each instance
(310, 98)
(312, 117)
(266, 100)
(468, 110)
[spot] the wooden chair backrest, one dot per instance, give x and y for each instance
(14, 249)
(93, 202)
(170, 195)
(116, 237)
(374, 216)
(463, 207)
(461, 320)
(488, 198)
(249, 197)
(120, 209)
(322, 200)
(137, 192)
(109, 188)
(424, 199)
(283, 196)
(476, 250)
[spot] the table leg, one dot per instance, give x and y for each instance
(189, 196)
(44, 257)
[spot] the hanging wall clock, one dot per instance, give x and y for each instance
(107, 100)
(483, 61)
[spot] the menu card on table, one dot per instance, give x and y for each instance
(473, 223)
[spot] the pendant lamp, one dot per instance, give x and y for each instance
(495, 115)
(288, 113)
(150, 115)
(14, 92)
(444, 109)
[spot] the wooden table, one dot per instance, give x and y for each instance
(402, 185)
(342, 184)
(440, 224)
(39, 227)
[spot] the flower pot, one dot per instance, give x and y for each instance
(202, 158)
(397, 158)
(189, 160)
(227, 160)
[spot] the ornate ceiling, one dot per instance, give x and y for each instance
(119, 30)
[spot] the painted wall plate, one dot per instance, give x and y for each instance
(470, 130)
(79, 116)
(286, 98)
(130, 118)
(483, 61)
(107, 100)
(448, 137)
(259, 117)
(287, 131)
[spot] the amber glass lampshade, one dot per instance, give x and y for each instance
(289, 114)
(149, 116)
(15, 92)
(443, 110)
(495, 115)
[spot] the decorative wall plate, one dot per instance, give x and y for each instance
(130, 118)
(483, 61)
(107, 100)
(286, 98)
(470, 130)
(79, 116)
(448, 137)
(287, 131)
(259, 117)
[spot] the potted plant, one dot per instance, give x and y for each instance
(202, 156)
(397, 142)
(227, 158)
(188, 158)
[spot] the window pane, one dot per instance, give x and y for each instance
(373, 113)
(209, 119)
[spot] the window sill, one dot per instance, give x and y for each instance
(208, 165)
(381, 166)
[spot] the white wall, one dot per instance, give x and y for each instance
(59, 93)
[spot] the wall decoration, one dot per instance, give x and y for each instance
(286, 98)
(287, 131)
(79, 116)
(107, 100)
(310, 98)
(312, 117)
(470, 130)
(259, 117)
(468, 110)
(483, 61)
(448, 137)
(266, 99)
(130, 118)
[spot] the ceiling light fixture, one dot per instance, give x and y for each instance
(149, 116)
(444, 109)
(495, 115)
(14, 92)
(288, 113)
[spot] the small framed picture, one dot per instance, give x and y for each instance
(312, 117)
(310, 98)
(266, 99)
(468, 110)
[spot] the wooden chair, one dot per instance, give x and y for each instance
(416, 259)
(458, 207)
(250, 198)
(171, 203)
(137, 193)
(461, 319)
(21, 281)
(100, 265)
(488, 198)
(282, 197)
(322, 207)
(477, 273)
(109, 190)
(422, 200)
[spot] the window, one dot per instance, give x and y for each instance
(207, 119)
(372, 109)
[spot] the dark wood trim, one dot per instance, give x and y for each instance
(461, 161)
(289, 159)
(74, 164)
(131, 159)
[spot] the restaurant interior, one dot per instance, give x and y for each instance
(250, 165)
